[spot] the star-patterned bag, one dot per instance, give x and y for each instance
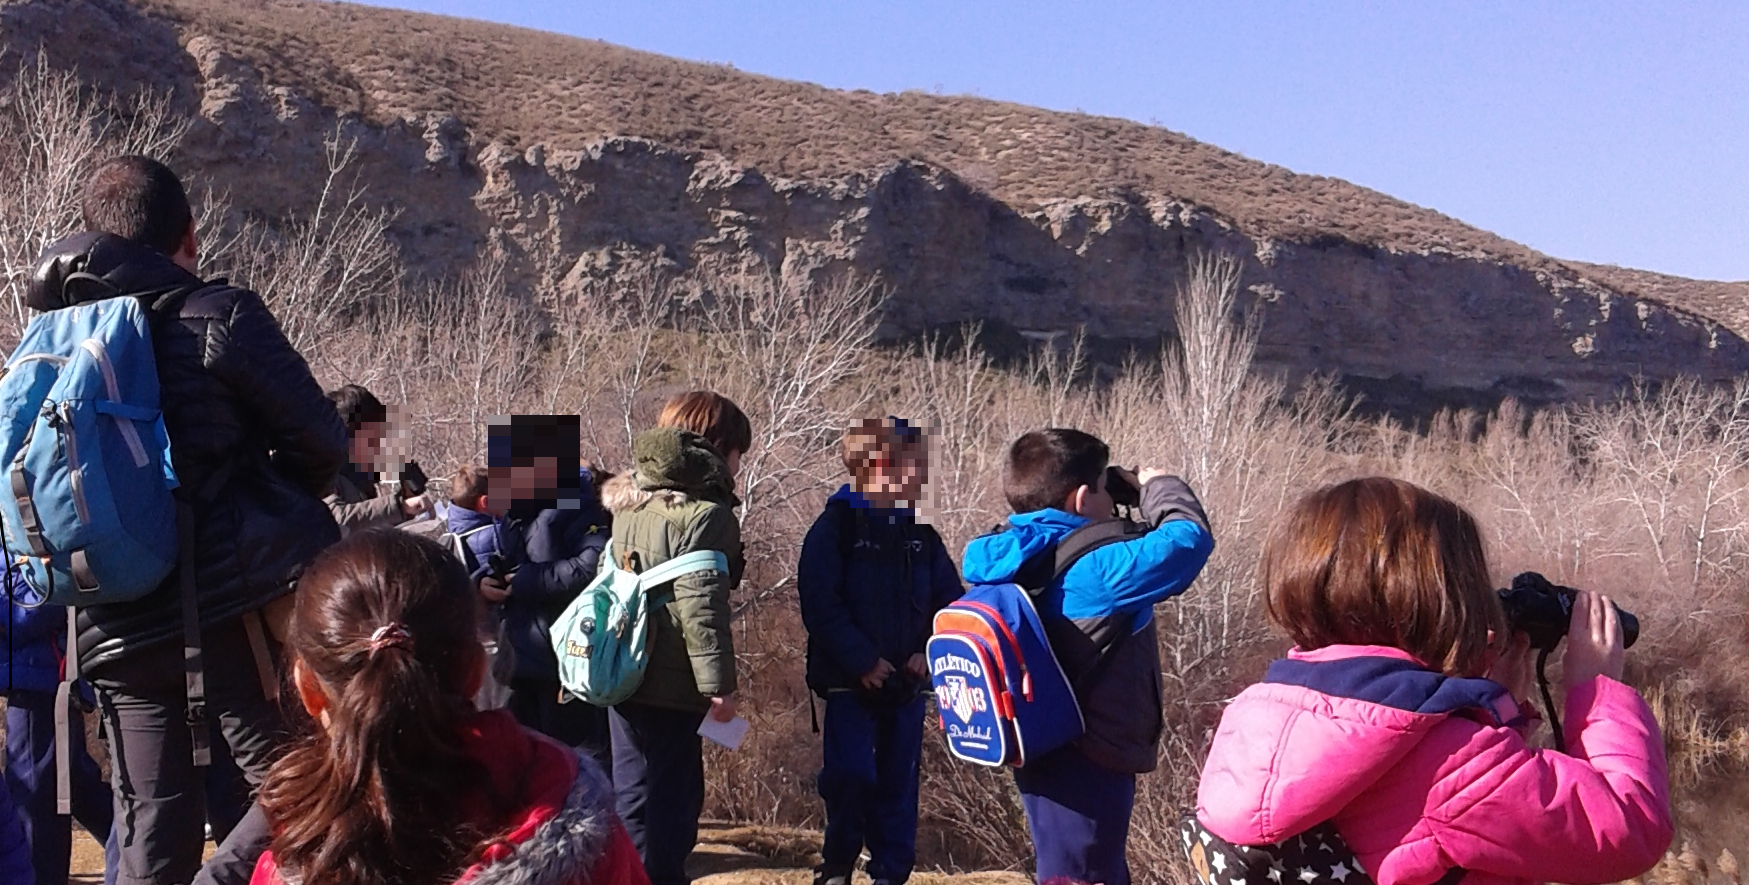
(1316, 857)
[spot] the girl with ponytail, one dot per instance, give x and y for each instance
(400, 779)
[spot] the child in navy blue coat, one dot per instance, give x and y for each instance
(539, 511)
(871, 579)
(30, 671)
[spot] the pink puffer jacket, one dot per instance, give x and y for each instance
(1423, 773)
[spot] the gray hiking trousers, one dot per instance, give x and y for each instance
(160, 801)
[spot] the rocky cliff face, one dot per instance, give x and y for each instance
(1411, 326)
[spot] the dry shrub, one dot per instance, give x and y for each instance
(55, 131)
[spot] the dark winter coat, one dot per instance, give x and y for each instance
(482, 537)
(32, 638)
(681, 499)
(559, 551)
(254, 442)
(879, 602)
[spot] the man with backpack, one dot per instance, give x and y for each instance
(254, 446)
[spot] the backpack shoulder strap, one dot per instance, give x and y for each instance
(680, 567)
(1091, 537)
(1049, 565)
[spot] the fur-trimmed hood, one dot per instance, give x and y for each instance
(622, 495)
(675, 466)
(567, 848)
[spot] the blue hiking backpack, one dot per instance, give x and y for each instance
(1003, 696)
(90, 514)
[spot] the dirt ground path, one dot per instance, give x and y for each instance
(727, 855)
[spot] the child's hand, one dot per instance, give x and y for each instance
(877, 677)
(493, 590)
(918, 667)
(1593, 641)
(414, 506)
(723, 709)
(1148, 475)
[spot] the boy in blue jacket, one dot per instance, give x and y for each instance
(33, 638)
(871, 579)
(1100, 619)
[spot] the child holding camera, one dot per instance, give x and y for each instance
(355, 500)
(1401, 714)
(871, 579)
(1100, 618)
(533, 530)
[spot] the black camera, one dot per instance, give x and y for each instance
(1544, 609)
(1123, 492)
(498, 566)
(413, 480)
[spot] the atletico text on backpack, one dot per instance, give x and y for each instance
(602, 638)
(90, 514)
(1002, 694)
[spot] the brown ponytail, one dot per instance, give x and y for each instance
(385, 621)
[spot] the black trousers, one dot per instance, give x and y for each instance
(160, 797)
(535, 704)
(658, 774)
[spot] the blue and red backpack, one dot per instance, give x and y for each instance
(1002, 694)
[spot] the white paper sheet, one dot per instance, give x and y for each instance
(726, 734)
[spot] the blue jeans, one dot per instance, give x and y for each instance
(1079, 815)
(30, 778)
(869, 784)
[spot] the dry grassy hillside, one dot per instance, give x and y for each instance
(527, 87)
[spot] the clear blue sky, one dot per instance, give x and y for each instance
(1603, 131)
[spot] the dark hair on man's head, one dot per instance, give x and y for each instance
(358, 407)
(139, 199)
(712, 416)
(1046, 466)
(385, 623)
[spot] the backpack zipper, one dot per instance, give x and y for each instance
(75, 474)
(994, 617)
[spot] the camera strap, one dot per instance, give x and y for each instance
(1542, 683)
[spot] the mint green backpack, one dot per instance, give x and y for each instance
(601, 638)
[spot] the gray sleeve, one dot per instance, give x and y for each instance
(1166, 498)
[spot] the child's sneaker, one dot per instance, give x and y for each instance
(823, 876)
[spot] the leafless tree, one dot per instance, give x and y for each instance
(55, 130)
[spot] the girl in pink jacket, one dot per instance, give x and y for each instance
(1400, 716)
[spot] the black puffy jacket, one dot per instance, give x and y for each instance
(254, 442)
